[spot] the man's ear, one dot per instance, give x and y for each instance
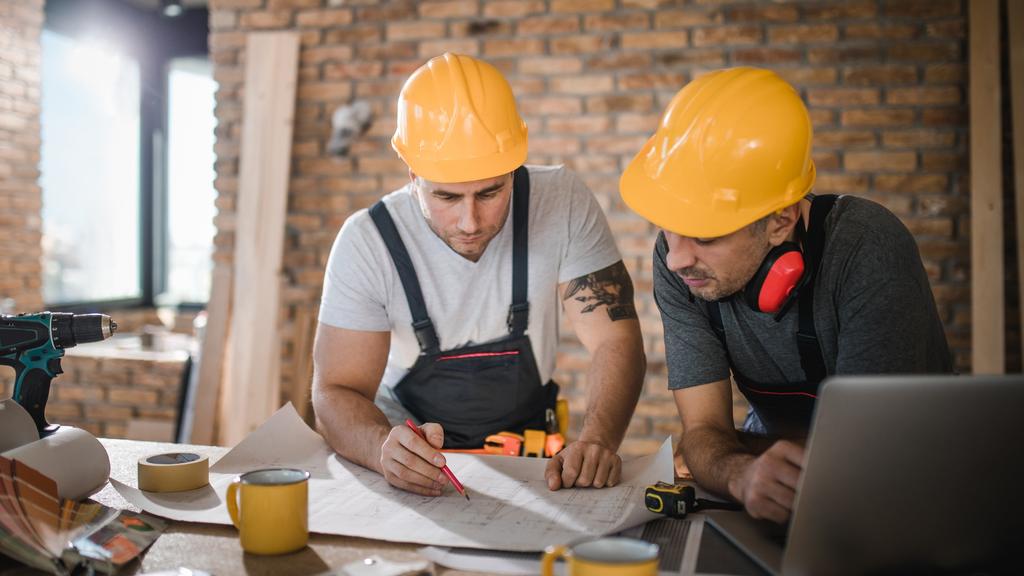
(781, 224)
(412, 176)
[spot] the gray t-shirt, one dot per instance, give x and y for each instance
(873, 311)
(467, 301)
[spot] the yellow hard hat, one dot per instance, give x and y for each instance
(457, 121)
(733, 146)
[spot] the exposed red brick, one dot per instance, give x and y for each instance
(590, 84)
(550, 66)
(513, 8)
(884, 75)
(577, 6)
(841, 10)
(653, 40)
(912, 183)
(767, 55)
(324, 18)
(802, 34)
(513, 47)
(943, 52)
(727, 35)
(580, 44)
(842, 96)
(548, 25)
(620, 103)
(266, 19)
(431, 48)
(397, 31)
(875, 161)
(880, 30)
(604, 23)
(686, 17)
(944, 95)
(762, 13)
(877, 117)
(923, 9)
(845, 138)
(448, 8)
(918, 139)
(843, 54)
(650, 80)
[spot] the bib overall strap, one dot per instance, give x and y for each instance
(421, 324)
(811, 360)
(519, 311)
(806, 337)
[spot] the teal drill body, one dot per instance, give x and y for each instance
(33, 345)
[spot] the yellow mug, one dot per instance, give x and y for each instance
(270, 508)
(604, 557)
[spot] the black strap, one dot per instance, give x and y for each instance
(811, 359)
(519, 311)
(421, 324)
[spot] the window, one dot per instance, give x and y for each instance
(127, 160)
(190, 175)
(89, 172)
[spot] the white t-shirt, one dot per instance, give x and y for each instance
(467, 301)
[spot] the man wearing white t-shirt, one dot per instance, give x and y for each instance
(441, 302)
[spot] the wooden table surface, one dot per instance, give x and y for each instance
(215, 548)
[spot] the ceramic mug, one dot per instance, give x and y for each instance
(270, 508)
(604, 557)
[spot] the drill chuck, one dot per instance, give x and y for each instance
(70, 330)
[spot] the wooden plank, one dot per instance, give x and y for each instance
(987, 289)
(302, 345)
(1015, 23)
(198, 423)
(252, 383)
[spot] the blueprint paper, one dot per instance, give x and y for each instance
(511, 507)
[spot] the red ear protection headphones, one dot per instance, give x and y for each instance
(775, 283)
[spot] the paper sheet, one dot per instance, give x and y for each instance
(678, 541)
(511, 508)
(72, 457)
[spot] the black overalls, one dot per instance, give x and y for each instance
(478, 390)
(782, 409)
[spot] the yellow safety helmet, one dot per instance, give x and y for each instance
(457, 121)
(733, 146)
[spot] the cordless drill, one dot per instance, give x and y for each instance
(34, 343)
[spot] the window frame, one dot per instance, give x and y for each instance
(154, 41)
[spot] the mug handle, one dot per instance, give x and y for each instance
(547, 563)
(232, 498)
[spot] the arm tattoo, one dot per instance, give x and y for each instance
(609, 287)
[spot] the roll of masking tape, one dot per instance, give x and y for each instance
(173, 472)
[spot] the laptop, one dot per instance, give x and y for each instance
(903, 475)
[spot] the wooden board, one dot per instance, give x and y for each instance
(987, 289)
(251, 390)
(304, 331)
(1015, 24)
(198, 422)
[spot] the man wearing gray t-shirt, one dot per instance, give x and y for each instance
(441, 302)
(755, 276)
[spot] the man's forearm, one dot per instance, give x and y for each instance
(353, 426)
(716, 458)
(615, 380)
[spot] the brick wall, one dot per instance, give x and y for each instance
(885, 82)
(118, 390)
(20, 195)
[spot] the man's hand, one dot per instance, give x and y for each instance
(583, 464)
(767, 486)
(412, 463)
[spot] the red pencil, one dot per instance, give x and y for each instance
(447, 472)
